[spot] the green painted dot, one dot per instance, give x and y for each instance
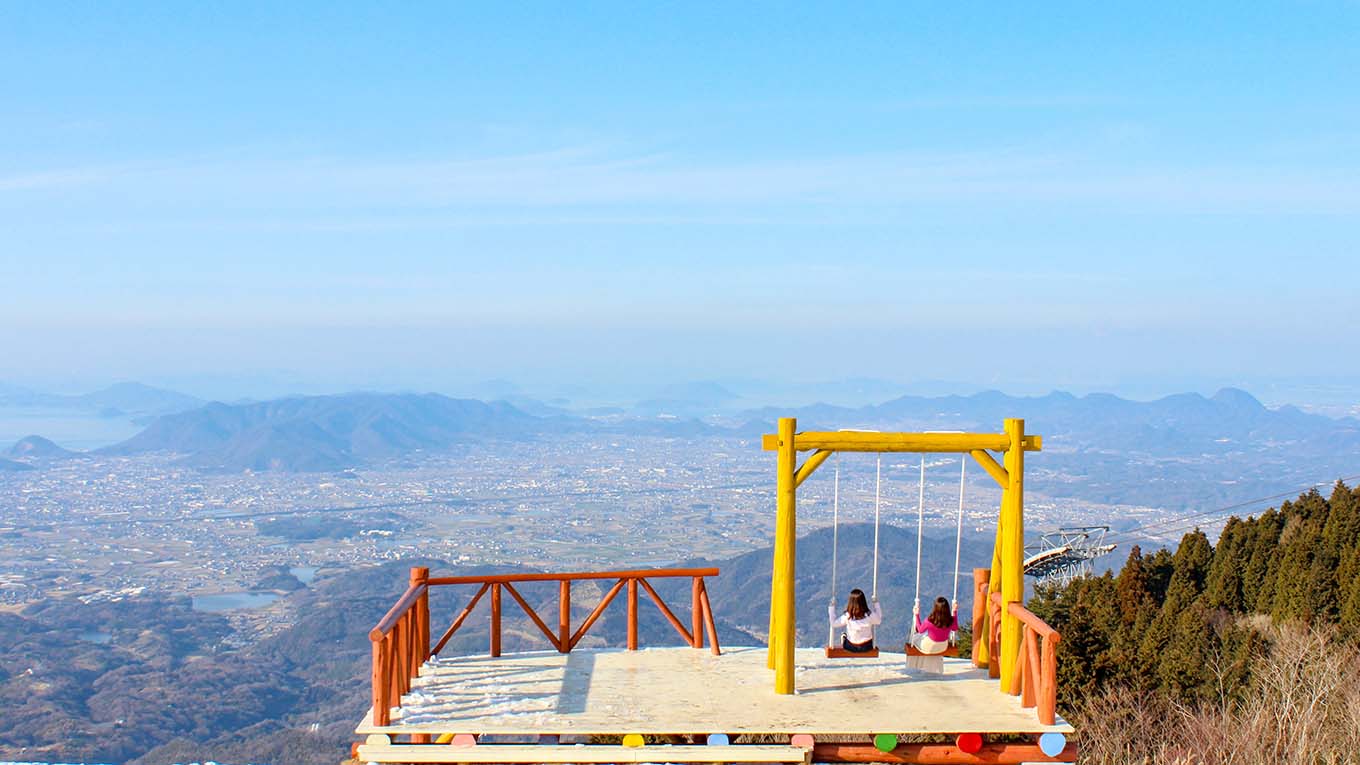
(885, 742)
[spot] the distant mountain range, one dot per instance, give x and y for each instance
(122, 399)
(1172, 452)
(320, 433)
(1230, 414)
(1111, 449)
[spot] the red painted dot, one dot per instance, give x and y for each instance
(969, 743)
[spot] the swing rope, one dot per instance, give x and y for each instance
(958, 537)
(835, 541)
(920, 530)
(878, 482)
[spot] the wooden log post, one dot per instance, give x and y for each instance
(709, 623)
(994, 639)
(564, 616)
(412, 647)
(496, 619)
(980, 638)
(1028, 697)
(390, 662)
(697, 615)
(1048, 683)
(1012, 552)
(381, 711)
(632, 614)
(398, 638)
(782, 601)
(420, 576)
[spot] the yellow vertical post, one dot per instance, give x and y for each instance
(785, 536)
(1012, 551)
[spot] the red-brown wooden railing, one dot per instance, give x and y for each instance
(401, 641)
(1035, 678)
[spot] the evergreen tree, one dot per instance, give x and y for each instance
(1132, 590)
(1295, 594)
(1336, 560)
(1158, 565)
(1224, 588)
(1182, 668)
(1258, 583)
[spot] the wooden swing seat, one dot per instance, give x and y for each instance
(835, 652)
(912, 650)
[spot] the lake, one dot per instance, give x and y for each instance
(231, 601)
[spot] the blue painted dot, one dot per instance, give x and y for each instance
(1052, 744)
(717, 739)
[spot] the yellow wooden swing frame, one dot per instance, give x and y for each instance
(1008, 553)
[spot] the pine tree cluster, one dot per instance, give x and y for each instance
(1181, 623)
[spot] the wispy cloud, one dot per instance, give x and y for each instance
(568, 183)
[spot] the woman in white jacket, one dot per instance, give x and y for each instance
(858, 619)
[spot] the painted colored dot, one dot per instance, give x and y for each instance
(885, 742)
(1052, 744)
(717, 739)
(464, 739)
(969, 743)
(633, 741)
(802, 741)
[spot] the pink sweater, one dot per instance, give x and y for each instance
(938, 634)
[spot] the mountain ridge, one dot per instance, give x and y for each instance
(319, 433)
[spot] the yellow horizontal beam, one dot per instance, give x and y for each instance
(848, 441)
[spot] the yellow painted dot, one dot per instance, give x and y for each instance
(633, 741)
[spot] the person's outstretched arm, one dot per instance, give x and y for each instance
(836, 621)
(875, 612)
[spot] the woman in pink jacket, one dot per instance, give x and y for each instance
(934, 633)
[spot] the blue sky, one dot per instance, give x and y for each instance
(408, 195)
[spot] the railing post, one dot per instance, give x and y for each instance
(980, 637)
(994, 639)
(1048, 683)
(390, 662)
(564, 616)
(420, 575)
(1031, 676)
(495, 619)
(709, 623)
(381, 710)
(697, 617)
(399, 648)
(632, 614)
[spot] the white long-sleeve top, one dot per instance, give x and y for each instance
(857, 630)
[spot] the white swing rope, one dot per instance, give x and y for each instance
(878, 483)
(835, 541)
(958, 537)
(920, 531)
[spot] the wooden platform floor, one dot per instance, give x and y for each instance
(683, 690)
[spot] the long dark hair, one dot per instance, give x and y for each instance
(941, 616)
(857, 607)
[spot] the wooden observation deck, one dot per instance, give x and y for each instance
(702, 703)
(691, 703)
